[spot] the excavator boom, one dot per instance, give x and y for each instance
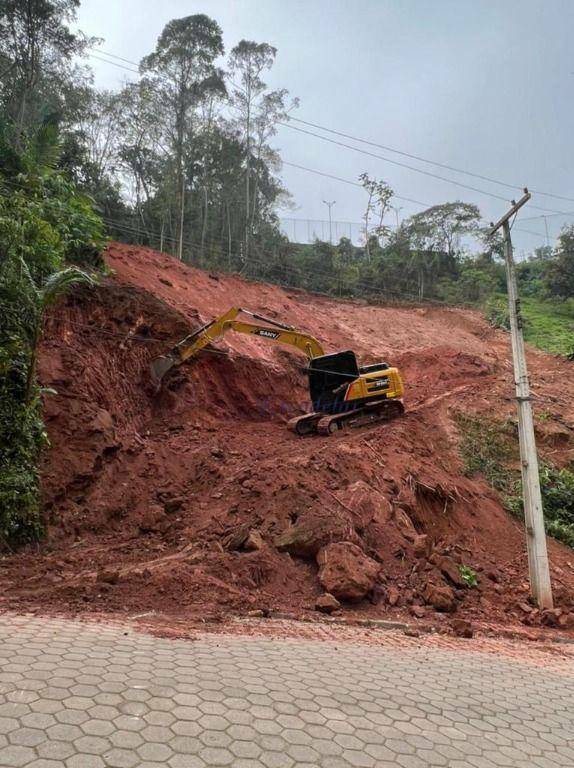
(210, 332)
(343, 393)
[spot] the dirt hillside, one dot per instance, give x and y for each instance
(198, 502)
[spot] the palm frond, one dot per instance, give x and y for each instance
(60, 282)
(45, 147)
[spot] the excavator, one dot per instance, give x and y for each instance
(343, 393)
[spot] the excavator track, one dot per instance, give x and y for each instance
(384, 410)
(306, 424)
(328, 424)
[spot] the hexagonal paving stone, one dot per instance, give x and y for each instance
(132, 701)
(15, 755)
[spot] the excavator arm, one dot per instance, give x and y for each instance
(202, 337)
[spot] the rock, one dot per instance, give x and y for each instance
(327, 603)
(365, 503)
(551, 616)
(532, 618)
(493, 575)
(165, 281)
(448, 568)
(421, 545)
(462, 628)
(553, 434)
(405, 524)
(440, 597)
(525, 608)
(253, 542)
(235, 538)
(411, 632)
(566, 621)
(173, 504)
(312, 531)
(418, 611)
(345, 571)
(393, 596)
(217, 453)
(108, 576)
(151, 520)
(376, 594)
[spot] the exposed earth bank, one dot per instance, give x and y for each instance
(199, 503)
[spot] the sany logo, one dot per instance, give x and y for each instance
(267, 334)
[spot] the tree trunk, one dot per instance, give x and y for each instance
(204, 227)
(248, 167)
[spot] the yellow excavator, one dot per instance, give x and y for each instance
(343, 393)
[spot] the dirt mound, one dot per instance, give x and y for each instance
(199, 502)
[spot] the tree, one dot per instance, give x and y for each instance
(183, 75)
(442, 227)
(257, 113)
(43, 223)
(435, 239)
(37, 48)
(559, 276)
(379, 200)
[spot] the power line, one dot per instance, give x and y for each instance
(547, 215)
(404, 165)
(407, 199)
(426, 160)
(348, 181)
(389, 149)
(120, 58)
(113, 63)
(311, 170)
(284, 267)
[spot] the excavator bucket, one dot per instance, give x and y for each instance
(160, 366)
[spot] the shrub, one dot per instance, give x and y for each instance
(44, 222)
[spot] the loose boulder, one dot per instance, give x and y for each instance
(366, 504)
(440, 597)
(312, 531)
(462, 628)
(345, 571)
(327, 603)
(448, 568)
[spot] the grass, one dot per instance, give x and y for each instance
(548, 325)
(490, 448)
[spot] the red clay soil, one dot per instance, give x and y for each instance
(181, 503)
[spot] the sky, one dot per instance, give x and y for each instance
(485, 86)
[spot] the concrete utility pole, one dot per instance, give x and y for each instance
(539, 570)
(329, 206)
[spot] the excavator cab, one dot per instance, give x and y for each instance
(337, 383)
(342, 392)
(329, 378)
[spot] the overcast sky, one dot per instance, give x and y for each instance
(483, 85)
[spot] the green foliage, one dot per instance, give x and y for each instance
(559, 275)
(468, 575)
(547, 324)
(558, 502)
(37, 52)
(43, 223)
(490, 448)
(497, 312)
